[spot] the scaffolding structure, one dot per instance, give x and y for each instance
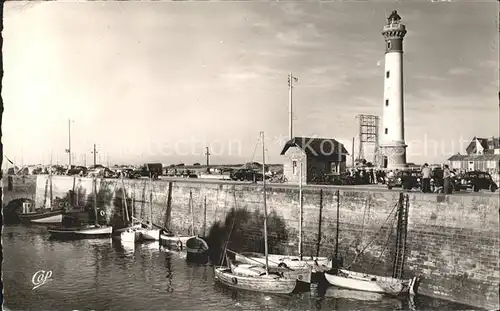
(368, 134)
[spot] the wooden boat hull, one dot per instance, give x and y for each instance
(177, 243)
(125, 229)
(149, 234)
(129, 236)
(265, 283)
(318, 264)
(44, 217)
(85, 232)
(197, 249)
(371, 283)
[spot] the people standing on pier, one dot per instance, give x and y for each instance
(446, 180)
(426, 178)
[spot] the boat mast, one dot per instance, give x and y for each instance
(151, 201)
(265, 203)
(95, 201)
(337, 235)
(300, 211)
(205, 216)
(50, 180)
(125, 202)
(191, 211)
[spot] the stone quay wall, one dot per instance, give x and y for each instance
(452, 242)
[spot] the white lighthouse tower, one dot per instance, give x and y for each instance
(393, 146)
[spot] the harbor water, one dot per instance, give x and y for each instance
(101, 274)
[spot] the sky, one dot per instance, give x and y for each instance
(159, 81)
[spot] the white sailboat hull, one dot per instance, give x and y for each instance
(318, 264)
(129, 236)
(371, 283)
(54, 219)
(120, 230)
(177, 243)
(272, 284)
(150, 234)
(81, 232)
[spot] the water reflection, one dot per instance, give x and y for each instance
(102, 274)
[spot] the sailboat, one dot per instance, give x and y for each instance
(150, 233)
(303, 268)
(179, 243)
(366, 282)
(45, 215)
(86, 231)
(255, 277)
(196, 247)
(129, 232)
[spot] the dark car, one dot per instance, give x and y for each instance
(77, 170)
(437, 181)
(405, 179)
(477, 180)
(246, 174)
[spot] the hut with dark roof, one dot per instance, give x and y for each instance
(318, 157)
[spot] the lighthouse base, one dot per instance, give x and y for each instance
(395, 155)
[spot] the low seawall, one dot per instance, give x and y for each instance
(453, 241)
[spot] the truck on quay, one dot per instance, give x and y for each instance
(152, 170)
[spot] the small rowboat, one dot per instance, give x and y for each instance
(197, 249)
(172, 242)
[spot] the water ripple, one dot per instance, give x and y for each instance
(103, 274)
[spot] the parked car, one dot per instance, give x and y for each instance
(76, 170)
(437, 181)
(477, 180)
(405, 179)
(246, 174)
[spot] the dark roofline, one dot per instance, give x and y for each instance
(317, 146)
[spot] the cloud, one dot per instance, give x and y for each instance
(459, 71)
(236, 74)
(292, 10)
(306, 35)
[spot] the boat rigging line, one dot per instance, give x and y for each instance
(376, 235)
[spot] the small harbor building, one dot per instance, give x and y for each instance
(318, 157)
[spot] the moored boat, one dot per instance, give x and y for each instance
(42, 216)
(371, 283)
(172, 242)
(255, 277)
(149, 234)
(88, 231)
(45, 215)
(317, 264)
(197, 249)
(129, 236)
(95, 230)
(395, 286)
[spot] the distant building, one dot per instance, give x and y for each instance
(319, 156)
(482, 154)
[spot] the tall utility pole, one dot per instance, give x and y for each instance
(291, 78)
(95, 155)
(207, 153)
(352, 155)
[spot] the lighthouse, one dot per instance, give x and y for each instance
(393, 146)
